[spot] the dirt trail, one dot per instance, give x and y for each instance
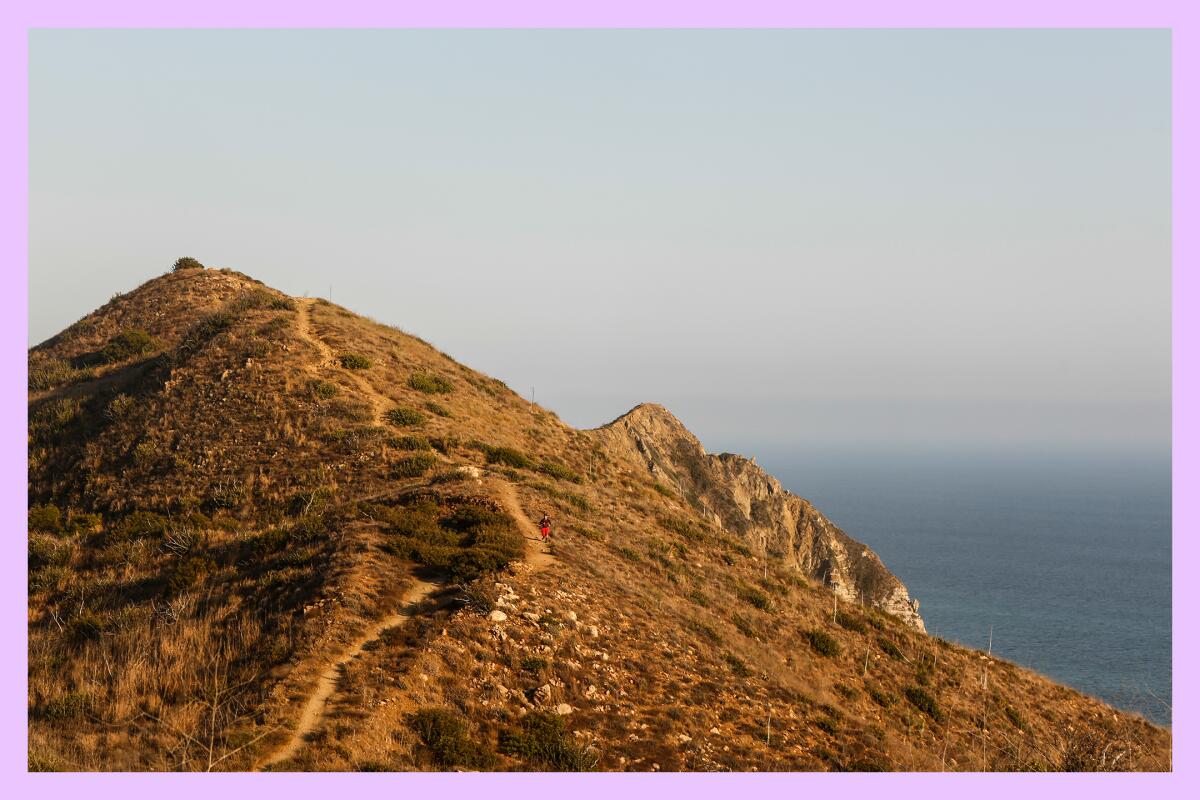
(379, 403)
(535, 552)
(314, 710)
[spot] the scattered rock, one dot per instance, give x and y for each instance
(592, 630)
(497, 616)
(562, 709)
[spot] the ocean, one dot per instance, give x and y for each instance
(1063, 561)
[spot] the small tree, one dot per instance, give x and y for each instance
(187, 262)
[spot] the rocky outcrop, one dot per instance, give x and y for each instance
(738, 496)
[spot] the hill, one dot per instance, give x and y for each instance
(266, 532)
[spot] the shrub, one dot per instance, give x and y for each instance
(533, 664)
(851, 623)
(45, 518)
(924, 701)
(51, 372)
(282, 304)
(413, 466)
(354, 361)
(443, 444)
(127, 344)
(881, 698)
(46, 551)
(823, 643)
(84, 627)
(73, 705)
(479, 598)
(401, 416)
(738, 666)
(187, 262)
(429, 383)
(189, 572)
(1015, 718)
(437, 409)
(542, 741)
(444, 733)
(508, 457)
(410, 443)
(140, 525)
(118, 407)
(748, 594)
(324, 390)
(558, 471)
(663, 490)
(744, 626)
(888, 647)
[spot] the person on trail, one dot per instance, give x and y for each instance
(545, 526)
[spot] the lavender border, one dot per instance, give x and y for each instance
(15, 22)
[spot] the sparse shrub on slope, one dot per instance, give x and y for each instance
(555, 470)
(429, 383)
(445, 735)
(127, 344)
(542, 741)
(413, 466)
(924, 701)
(403, 416)
(354, 361)
(823, 643)
(45, 518)
(187, 262)
(508, 457)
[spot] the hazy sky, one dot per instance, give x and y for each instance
(790, 238)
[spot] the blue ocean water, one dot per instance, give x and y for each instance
(1066, 561)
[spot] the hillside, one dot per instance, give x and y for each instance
(268, 533)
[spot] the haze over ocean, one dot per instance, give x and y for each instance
(1066, 559)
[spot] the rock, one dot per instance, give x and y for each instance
(562, 709)
(532, 617)
(572, 616)
(497, 616)
(592, 630)
(543, 695)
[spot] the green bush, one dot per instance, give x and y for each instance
(190, 571)
(282, 304)
(51, 372)
(542, 741)
(127, 344)
(70, 706)
(924, 701)
(533, 664)
(437, 409)
(558, 471)
(354, 361)
(444, 733)
(738, 666)
(45, 518)
(851, 623)
(443, 444)
(748, 594)
(85, 626)
(413, 466)
(508, 457)
(823, 643)
(402, 416)
(187, 262)
(46, 551)
(429, 383)
(410, 443)
(881, 698)
(324, 390)
(118, 407)
(888, 647)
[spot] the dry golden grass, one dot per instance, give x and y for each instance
(190, 640)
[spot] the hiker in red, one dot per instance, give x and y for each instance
(545, 526)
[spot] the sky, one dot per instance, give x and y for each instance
(898, 240)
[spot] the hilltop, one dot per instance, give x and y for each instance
(266, 532)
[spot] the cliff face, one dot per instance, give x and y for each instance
(738, 496)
